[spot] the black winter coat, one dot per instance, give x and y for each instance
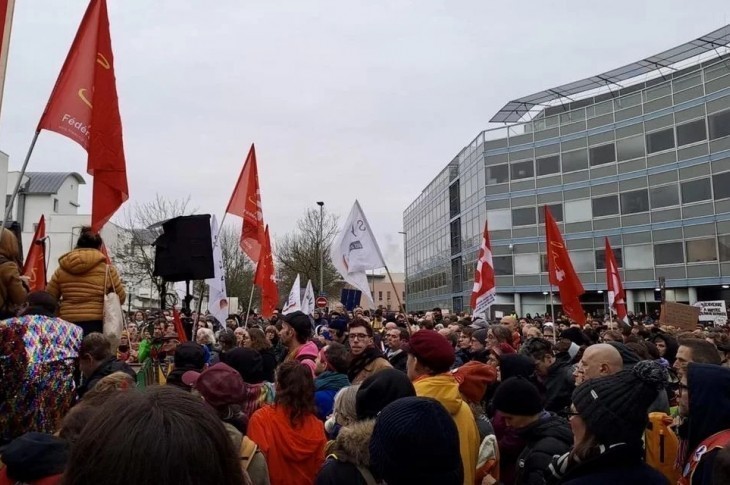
(560, 384)
(398, 361)
(269, 360)
(621, 464)
(107, 367)
(549, 436)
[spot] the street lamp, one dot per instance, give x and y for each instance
(405, 270)
(321, 249)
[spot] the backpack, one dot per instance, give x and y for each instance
(662, 445)
(714, 442)
(247, 451)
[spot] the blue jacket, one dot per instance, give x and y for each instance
(326, 386)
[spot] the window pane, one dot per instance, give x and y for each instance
(499, 219)
(723, 243)
(605, 206)
(603, 154)
(691, 132)
(601, 258)
(636, 201)
(630, 148)
(456, 236)
(664, 196)
(548, 165)
(523, 217)
(701, 250)
(575, 160)
(498, 174)
(721, 185)
(582, 260)
(527, 263)
(668, 253)
(719, 124)
(639, 257)
(456, 280)
(522, 170)
(502, 265)
(696, 190)
(555, 209)
(660, 140)
(578, 210)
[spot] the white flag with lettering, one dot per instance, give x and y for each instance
(217, 297)
(293, 303)
(308, 300)
(355, 251)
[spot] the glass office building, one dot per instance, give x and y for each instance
(640, 155)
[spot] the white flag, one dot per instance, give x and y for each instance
(308, 300)
(355, 251)
(293, 303)
(217, 297)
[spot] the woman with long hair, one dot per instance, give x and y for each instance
(289, 432)
(13, 288)
(260, 343)
(272, 335)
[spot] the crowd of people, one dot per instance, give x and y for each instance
(355, 397)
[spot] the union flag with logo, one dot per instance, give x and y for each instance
(561, 272)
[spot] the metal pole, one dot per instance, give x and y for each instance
(250, 299)
(400, 304)
(321, 248)
(10, 203)
(552, 306)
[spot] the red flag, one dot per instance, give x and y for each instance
(616, 293)
(561, 272)
(179, 330)
(246, 203)
(35, 262)
(6, 22)
(482, 295)
(84, 107)
(265, 278)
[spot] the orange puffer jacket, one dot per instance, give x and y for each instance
(79, 284)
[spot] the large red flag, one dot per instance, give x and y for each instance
(561, 272)
(246, 203)
(482, 295)
(265, 278)
(616, 294)
(179, 329)
(84, 107)
(35, 262)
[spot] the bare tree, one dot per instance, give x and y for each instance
(298, 252)
(238, 268)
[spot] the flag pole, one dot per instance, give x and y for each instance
(552, 312)
(250, 300)
(10, 203)
(400, 304)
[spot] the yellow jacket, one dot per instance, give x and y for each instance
(79, 284)
(445, 389)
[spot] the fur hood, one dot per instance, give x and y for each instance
(352, 443)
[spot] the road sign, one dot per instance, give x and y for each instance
(321, 302)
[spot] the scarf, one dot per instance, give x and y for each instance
(331, 381)
(359, 362)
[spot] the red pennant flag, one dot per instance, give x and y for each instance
(177, 322)
(561, 272)
(35, 263)
(84, 107)
(616, 293)
(246, 203)
(483, 293)
(265, 278)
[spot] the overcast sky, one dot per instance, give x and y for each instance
(343, 99)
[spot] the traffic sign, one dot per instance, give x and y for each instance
(321, 302)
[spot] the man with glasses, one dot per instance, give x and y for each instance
(395, 338)
(366, 358)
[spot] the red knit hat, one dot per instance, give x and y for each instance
(432, 349)
(473, 378)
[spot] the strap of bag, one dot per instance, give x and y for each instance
(247, 451)
(106, 279)
(369, 478)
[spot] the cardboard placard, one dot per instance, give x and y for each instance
(680, 315)
(712, 311)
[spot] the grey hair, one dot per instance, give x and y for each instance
(344, 406)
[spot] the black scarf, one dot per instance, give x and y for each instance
(359, 362)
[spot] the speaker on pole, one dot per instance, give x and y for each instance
(184, 251)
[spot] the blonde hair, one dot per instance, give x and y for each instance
(209, 335)
(344, 407)
(108, 386)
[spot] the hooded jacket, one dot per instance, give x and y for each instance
(326, 386)
(445, 389)
(306, 354)
(79, 284)
(107, 367)
(548, 436)
(349, 456)
(294, 454)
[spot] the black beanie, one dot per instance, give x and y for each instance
(379, 390)
(247, 362)
(513, 365)
(33, 456)
(628, 357)
(415, 440)
(615, 408)
(518, 396)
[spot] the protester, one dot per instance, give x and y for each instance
(343, 412)
(667, 347)
(34, 458)
(479, 351)
(695, 350)
(295, 334)
(554, 371)
(331, 372)
(188, 356)
(96, 361)
(82, 279)
(397, 338)
(13, 287)
(463, 347)
(272, 335)
(288, 432)
(598, 360)
(250, 366)
(366, 359)
(261, 344)
(205, 337)
(242, 337)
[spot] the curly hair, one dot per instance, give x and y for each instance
(258, 339)
(295, 391)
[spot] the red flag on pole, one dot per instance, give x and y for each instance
(246, 203)
(616, 293)
(561, 272)
(6, 22)
(482, 295)
(84, 107)
(265, 278)
(177, 322)
(35, 262)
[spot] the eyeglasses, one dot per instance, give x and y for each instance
(568, 413)
(359, 336)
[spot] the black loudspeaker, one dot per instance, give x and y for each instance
(185, 250)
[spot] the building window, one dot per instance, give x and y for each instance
(55, 205)
(456, 236)
(555, 209)
(499, 219)
(523, 217)
(605, 206)
(502, 265)
(691, 132)
(721, 185)
(454, 200)
(498, 174)
(387, 295)
(457, 284)
(548, 165)
(630, 148)
(660, 140)
(601, 258)
(523, 170)
(638, 257)
(723, 244)
(582, 260)
(603, 154)
(575, 160)
(699, 250)
(380, 296)
(668, 253)
(527, 263)
(719, 124)
(696, 190)
(578, 210)
(664, 196)
(635, 201)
